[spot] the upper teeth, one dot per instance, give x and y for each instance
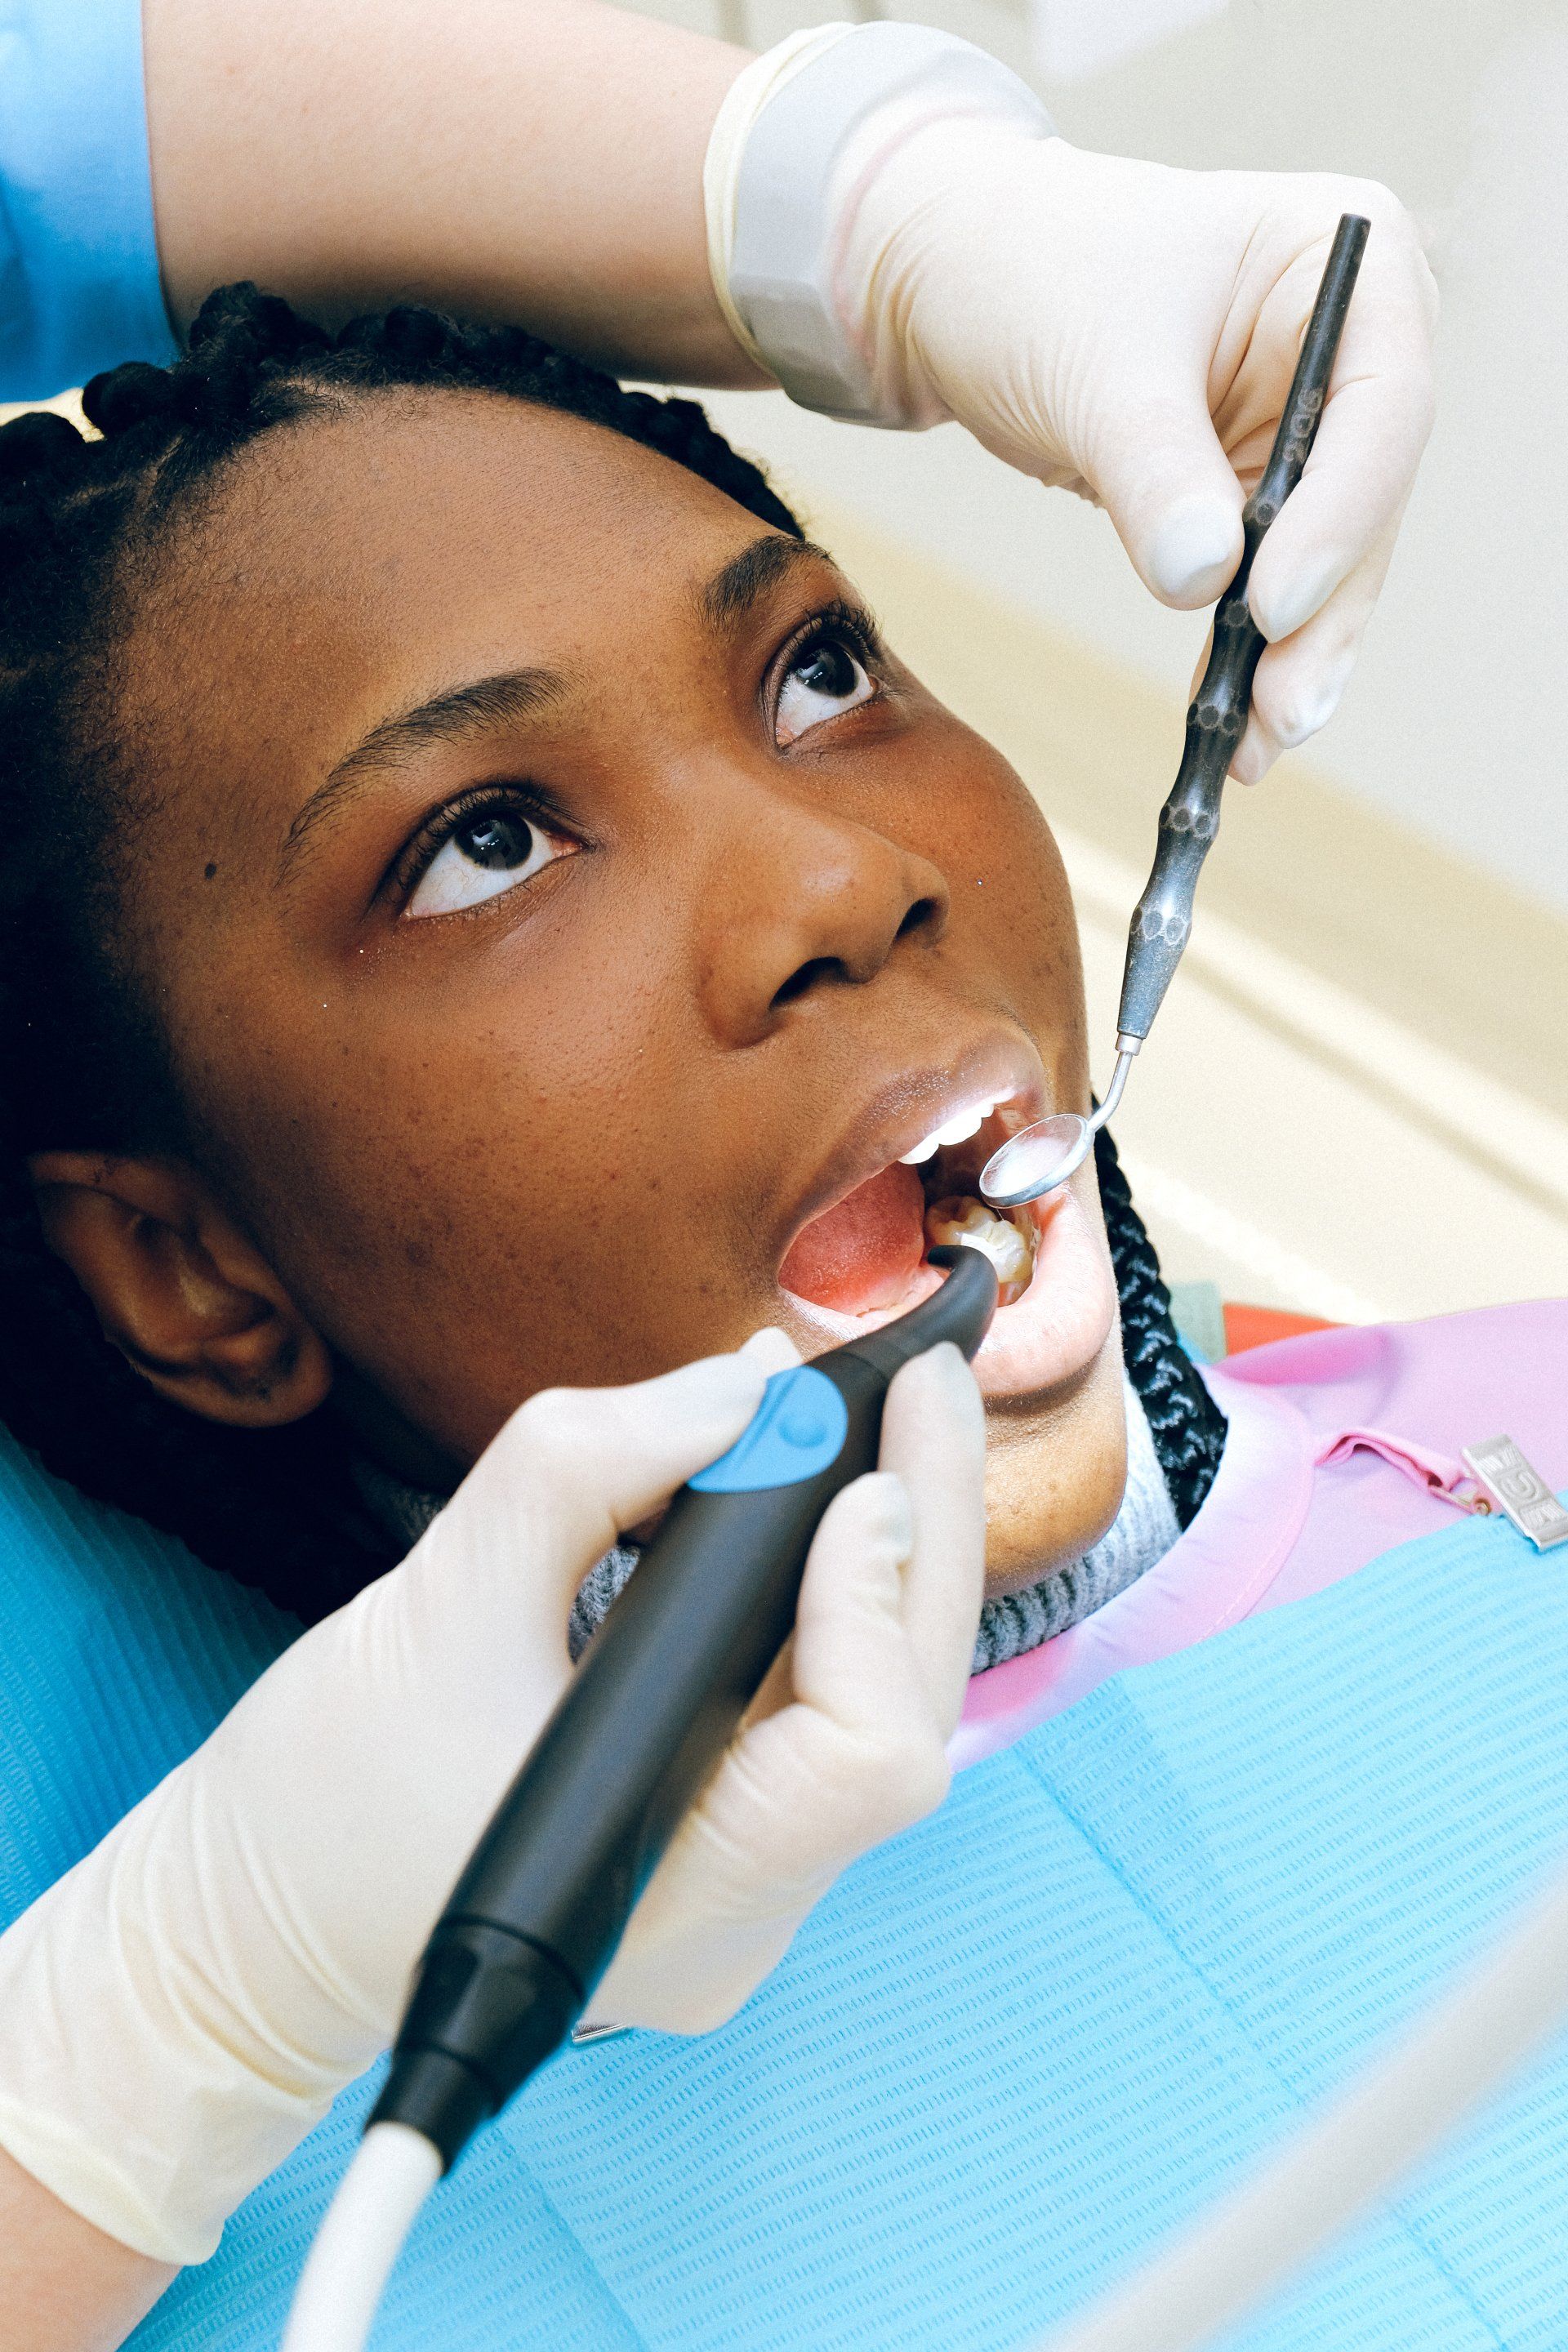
(959, 1128)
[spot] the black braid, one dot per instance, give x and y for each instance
(81, 1063)
(1186, 1425)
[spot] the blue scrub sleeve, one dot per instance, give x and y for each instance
(79, 287)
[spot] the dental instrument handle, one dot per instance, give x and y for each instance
(536, 1915)
(1217, 719)
(1043, 1157)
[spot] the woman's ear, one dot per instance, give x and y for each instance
(178, 1288)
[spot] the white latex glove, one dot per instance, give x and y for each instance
(1130, 333)
(180, 2009)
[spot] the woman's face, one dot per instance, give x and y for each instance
(567, 920)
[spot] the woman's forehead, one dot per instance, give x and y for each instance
(412, 486)
(348, 564)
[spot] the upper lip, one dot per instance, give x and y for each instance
(907, 1108)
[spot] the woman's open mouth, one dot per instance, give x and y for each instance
(864, 1260)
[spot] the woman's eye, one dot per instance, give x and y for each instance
(486, 853)
(825, 678)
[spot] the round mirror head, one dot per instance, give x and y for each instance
(1037, 1162)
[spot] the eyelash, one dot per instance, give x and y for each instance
(415, 859)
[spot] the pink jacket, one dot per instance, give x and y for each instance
(1342, 1444)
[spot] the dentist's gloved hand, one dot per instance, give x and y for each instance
(894, 233)
(178, 2011)
(1130, 333)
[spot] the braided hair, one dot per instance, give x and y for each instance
(82, 520)
(1185, 1424)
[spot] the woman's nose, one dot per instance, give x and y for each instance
(809, 901)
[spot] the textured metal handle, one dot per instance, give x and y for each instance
(1217, 719)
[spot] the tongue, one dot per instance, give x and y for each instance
(862, 1253)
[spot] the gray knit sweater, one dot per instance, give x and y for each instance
(1142, 1532)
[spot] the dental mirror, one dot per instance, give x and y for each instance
(1048, 1153)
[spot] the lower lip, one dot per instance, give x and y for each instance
(1048, 1337)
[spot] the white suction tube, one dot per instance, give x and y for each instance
(1357, 2149)
(376, 2205)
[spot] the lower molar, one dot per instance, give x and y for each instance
(1008, 1244)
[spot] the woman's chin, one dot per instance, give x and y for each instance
(1056, 1471)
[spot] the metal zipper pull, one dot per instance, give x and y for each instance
(1519, 1488)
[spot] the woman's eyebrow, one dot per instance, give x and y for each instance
(456, 715)
(730, 595)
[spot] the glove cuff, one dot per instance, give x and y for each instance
(797, 141)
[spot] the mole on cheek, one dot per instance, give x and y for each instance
(210, 871)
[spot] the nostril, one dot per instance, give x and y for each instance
(926, 915)
(923, 916)
(807, 977)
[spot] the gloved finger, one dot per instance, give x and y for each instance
(933, 1437)
(850, 1757)
(1355, 487)
(773, 1349)
(861, 1752)
(1373, 429)
(1157, 467)
(850, 1655)
(933, 1441)
(1298, 683)
(802, 1787)
(1368, 444)
(574, 1468)
(858, 1752)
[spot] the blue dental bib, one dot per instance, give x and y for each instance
(1009, 2051)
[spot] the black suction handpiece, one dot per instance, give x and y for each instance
(534, 1920)
(1217, 717)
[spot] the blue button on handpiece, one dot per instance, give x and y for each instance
(796, 1431)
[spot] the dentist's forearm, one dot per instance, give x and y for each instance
(537, 161)
(64, 2286)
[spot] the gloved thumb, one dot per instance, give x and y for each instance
(574, 1468)
(1158, 469)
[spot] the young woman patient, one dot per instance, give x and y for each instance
(489, 913)
(485, 913)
